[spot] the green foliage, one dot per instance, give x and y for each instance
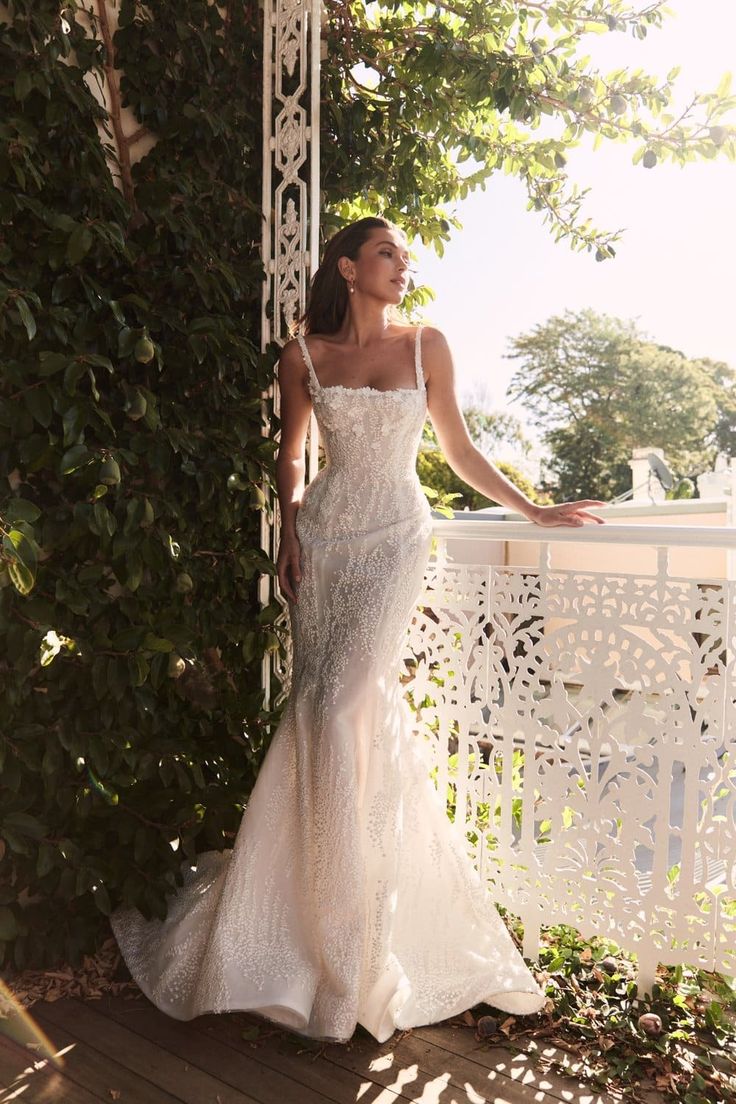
(436, 474)
(413, 95)
(494, 430)
(131, 387)
(598, 388)
(596, 1011)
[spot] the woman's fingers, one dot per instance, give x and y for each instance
(284, 586)
(574, 513)
(289, 570)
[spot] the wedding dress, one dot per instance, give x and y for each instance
(347, 897)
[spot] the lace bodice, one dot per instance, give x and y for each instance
(370, 439)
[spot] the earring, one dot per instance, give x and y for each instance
(352, 288)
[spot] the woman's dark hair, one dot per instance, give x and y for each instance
(327, 298)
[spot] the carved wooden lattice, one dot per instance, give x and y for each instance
(583, 725)
(291, 66)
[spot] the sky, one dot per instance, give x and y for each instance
(673, 273)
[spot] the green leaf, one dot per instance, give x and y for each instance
(724, 85)
(117, 312)
(102, 898)
(153, 643)
(106, 522)
(74, 458)
(20, 509)
(17, 545)
(127, 339)
(138, 668)
(8, 925)
(74, 372)
(134, 564)
(38, 404)
(22, 84)
(99, 361)
(46, 859)
(79, 244)
(50, 363)
(25, 823)
(26, 317)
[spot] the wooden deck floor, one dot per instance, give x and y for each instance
(123, 1049)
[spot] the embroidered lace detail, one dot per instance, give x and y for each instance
(347, 897)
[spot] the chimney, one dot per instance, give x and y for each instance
(646, 486)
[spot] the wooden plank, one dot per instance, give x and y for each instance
(141, 1053)
(200, 1042)
(301, 1058)
(26, 1076)
(461, 1040)
(399, 1067)
(433, 1073)
(100, 1073)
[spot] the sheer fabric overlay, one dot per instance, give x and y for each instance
(347, 897)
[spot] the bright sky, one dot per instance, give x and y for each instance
(673, 273)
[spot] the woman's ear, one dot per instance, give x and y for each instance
(343, 267)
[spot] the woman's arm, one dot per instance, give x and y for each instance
(465, 459)
(296, 406)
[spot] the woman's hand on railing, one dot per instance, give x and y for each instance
(567, 513)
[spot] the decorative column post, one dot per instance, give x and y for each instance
(290, 242)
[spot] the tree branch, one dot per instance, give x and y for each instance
(122, 143)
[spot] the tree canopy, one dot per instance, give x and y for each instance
(411, 92)
(597, 388)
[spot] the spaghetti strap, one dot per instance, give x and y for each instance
(316, 385)
(418, 359)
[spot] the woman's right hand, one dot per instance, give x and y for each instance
(288, 565)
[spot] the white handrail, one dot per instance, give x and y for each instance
(477, 527)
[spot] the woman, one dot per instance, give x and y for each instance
(347, 897)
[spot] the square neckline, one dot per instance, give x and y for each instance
(419, 375)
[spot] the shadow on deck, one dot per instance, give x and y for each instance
(118, 1048)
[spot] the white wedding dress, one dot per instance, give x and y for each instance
(347, 897)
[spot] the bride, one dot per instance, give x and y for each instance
(347, 897)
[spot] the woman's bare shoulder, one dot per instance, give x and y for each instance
(432, 333)
(290, 349)
(291, 365)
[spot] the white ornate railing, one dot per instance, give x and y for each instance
(292, 50)
(583, 724)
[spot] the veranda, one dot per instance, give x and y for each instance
(583, 727)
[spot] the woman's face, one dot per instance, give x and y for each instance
(382, 266)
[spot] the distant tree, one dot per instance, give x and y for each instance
(491, 431)
(435, 472)
(724, 377)
(597, 388)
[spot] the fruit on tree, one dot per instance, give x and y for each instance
(177, 666)
(184, 583)
(109, 471)
(136, 406)
(144, 351)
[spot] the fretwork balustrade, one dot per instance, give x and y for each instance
(583, 726)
